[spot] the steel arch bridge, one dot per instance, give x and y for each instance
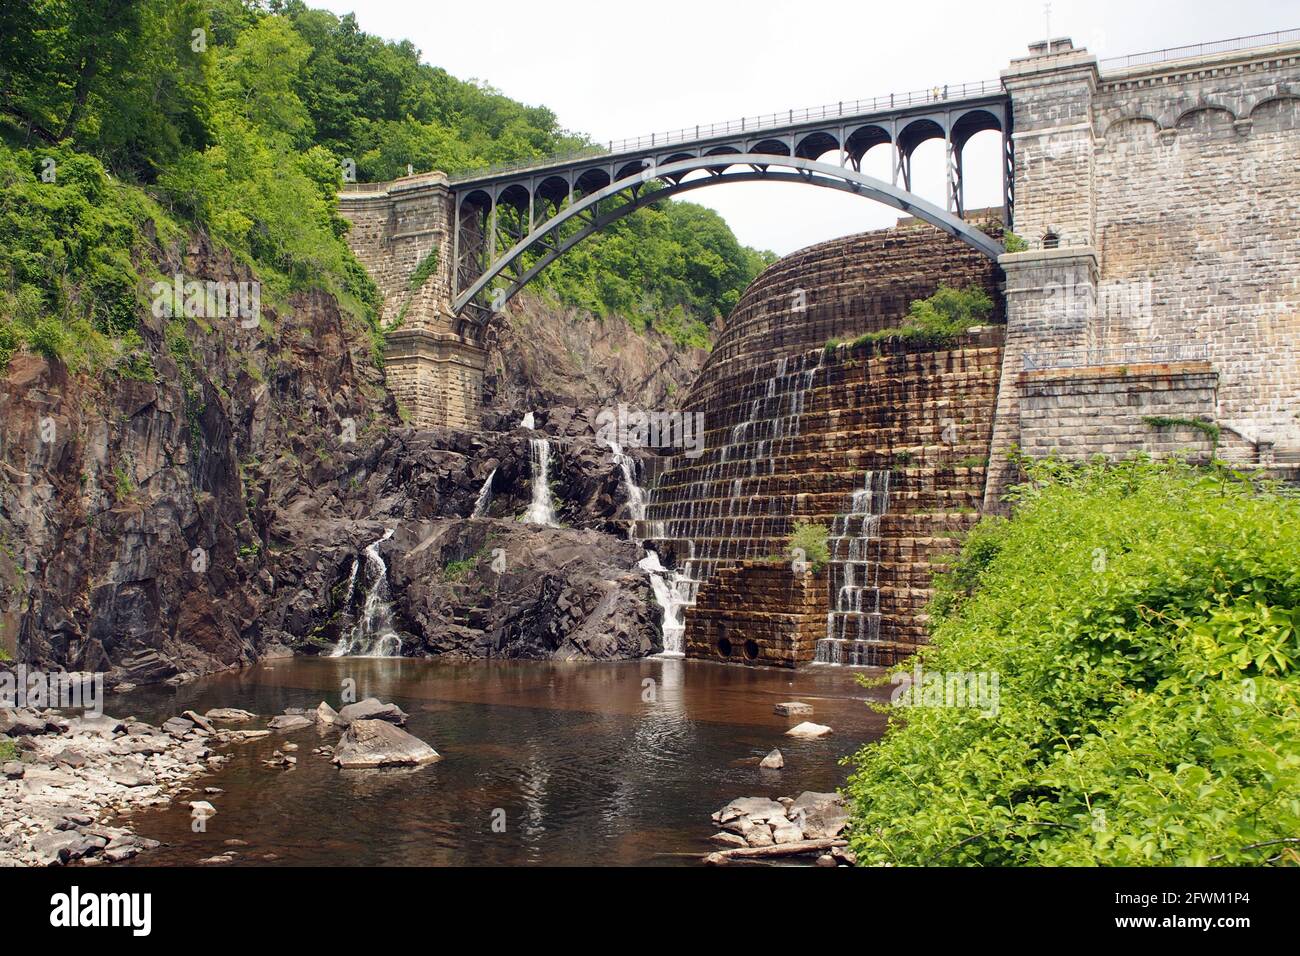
(510, 224)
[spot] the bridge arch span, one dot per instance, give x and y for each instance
(482, 295)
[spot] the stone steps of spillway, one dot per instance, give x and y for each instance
(714, 486)
(884, 442)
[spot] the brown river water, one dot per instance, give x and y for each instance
(543, 763)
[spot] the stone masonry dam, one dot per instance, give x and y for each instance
(885, 444)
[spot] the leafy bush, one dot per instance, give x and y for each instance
(75, 255)
(811, 538)
(938, 319)
(1143, 620)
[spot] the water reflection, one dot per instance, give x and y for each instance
(589, 763)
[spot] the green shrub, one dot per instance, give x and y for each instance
(425, 269)
(939, 319)
(48, 337)
(1142, 619)
(811, 539)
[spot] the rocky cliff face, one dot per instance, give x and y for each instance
(189, 518)
(541, 355)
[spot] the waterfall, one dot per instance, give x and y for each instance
(541, 511)
(484, 497)
(373, 634)
(527, 421)
(669, 593)
(635, 494)
(855, 576)
(717, 508)
(669, 587)
(352, 582)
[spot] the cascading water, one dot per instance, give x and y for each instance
(373, 634)
(635, 493)
(484, 497)
(667, 586)
(541, 511)
(855, 576)
(712, 513)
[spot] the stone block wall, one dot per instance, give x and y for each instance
(793, 429)
(1173, 186)
(759, 612)
(1051, 104)
(1104, 410)
(436, 378)
(1198, 227)
(395, 227)
(845, 287)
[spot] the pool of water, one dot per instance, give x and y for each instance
(578, 763)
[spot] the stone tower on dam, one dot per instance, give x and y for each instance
(1152, 305)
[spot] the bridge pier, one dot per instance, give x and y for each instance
(401, 232)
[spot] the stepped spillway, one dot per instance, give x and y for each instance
(797, 429)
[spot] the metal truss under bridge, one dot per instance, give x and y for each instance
(510, 223)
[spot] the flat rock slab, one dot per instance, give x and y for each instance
(198, 720)
(290, 722)
(820, 815)
(178, 726)
(377, 743)
(757, 809)
(231, 715)
(793, 708)
(808, 730)
(101, 726)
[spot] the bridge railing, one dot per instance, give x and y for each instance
(751, 124)
(1199, 49)
(1118, 355)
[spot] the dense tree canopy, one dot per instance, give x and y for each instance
(236, 116)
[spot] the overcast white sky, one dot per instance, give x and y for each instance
(615, 70)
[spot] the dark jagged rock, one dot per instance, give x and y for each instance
(208, 517)
(505, 589)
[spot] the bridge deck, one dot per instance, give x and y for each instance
(861, 112)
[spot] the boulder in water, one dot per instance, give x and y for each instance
(290, 722)
(372, 708)
(820, 815)
(757, 809)
(377, 743)
(326, 716)
(808, 730)
(793, 708)
(773, 761)
(229, 714)
(199, 721)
